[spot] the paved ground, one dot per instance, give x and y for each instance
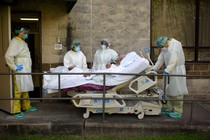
(64, 118)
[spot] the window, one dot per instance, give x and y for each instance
(185, 20)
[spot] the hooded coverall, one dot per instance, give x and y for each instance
(173, 58)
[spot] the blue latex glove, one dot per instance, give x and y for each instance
(153, 70)
(165, 72)
(19, 67)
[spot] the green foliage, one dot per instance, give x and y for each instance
(142, 137)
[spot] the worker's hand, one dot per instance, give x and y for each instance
(165, 72)
(70, 68)
(86, 75)
(108, 65)
(19, 67)
(153, 70)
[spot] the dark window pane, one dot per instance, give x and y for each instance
(174, 18)
(156, 52)
(204, 33)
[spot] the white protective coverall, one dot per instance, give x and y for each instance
(19, 54)
(76, 59)
(103, 57)
(173, 58)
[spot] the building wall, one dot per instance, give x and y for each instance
(53, 24)
(125, 22)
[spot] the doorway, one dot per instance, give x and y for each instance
(32, 21)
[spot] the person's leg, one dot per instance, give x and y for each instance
(178, 107)
(16, 103)
(16, 109)
(26, 104)
(168, 107)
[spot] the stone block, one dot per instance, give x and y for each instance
(201, 67)
(189, 67)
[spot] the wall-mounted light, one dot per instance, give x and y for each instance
(34, 19)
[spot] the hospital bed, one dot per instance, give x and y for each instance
(143, 89)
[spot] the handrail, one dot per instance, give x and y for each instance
(192, 101)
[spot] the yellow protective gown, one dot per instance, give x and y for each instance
(18, 54)
(103, 57)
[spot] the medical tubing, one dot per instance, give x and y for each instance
(148, 56)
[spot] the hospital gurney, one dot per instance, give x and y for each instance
(115, 103)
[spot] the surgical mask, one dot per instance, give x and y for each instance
(102, 47)
(25, 36)
(77, 49)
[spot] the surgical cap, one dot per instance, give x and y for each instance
(18, 30)
(75, 43)
(107, 40)
(161, 41)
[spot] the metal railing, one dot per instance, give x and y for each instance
(192, 101)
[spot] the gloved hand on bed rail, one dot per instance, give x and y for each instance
(153, 70)
(165, 72)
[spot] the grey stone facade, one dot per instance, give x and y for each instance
(125, 22)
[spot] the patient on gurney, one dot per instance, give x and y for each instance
(121, 64)
(130, 63)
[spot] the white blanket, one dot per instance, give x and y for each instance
(131, 63)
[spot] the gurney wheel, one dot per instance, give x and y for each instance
(86, 115)
(141, 115)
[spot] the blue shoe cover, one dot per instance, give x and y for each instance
(19, 115)
(175, 115)
(31, 109)
(166, 112)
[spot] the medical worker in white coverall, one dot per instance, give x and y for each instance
(172, 56)
(75, 57)
(104, 55)
(19, 60)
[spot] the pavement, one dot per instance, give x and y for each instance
(63, 118)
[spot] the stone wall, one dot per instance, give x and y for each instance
(125, 22)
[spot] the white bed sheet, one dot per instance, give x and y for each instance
(131, 63)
